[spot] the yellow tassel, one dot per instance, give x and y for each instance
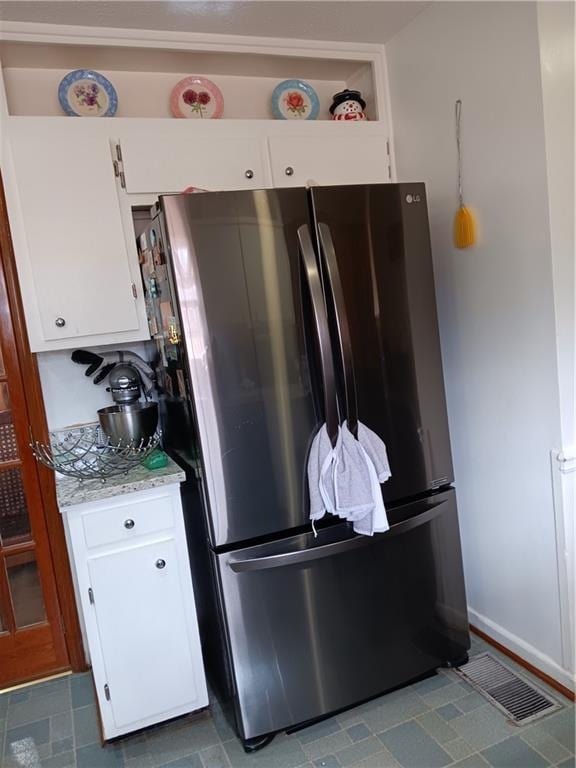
(464, 228)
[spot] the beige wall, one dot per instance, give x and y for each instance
(496, 300)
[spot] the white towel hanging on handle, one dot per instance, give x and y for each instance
(344, 479)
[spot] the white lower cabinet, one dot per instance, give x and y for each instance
(135, 591)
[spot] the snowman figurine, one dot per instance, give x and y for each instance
(348, 105)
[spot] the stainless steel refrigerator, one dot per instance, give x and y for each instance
(274, 311)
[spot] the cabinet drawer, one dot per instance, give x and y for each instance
(125, 522)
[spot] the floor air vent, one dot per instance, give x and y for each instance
(512, 694)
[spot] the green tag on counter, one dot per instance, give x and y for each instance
(156, 460)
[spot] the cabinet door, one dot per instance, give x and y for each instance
(344, 158)
(170, 158)
(78, 261)
(143, 632)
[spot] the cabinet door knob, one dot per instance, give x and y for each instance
(160, 563)
(249, 173)
(129, 523)
(60, 322)
(289, 171)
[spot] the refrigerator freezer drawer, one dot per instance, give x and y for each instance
(317, 625)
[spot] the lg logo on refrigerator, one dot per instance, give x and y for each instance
(412, 198)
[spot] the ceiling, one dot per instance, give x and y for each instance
(351, 20)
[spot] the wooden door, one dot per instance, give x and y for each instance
(32, 642)
(143, 633)
(347, 157)
(83, 285)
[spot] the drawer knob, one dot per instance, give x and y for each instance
(129, 523)
(249, 173)
(289, 171)
(60, 322)
(160, 563)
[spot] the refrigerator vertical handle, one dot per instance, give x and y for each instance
(322, 333)
(328, 253)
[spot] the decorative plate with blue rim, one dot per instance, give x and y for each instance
(295, 100)
(85, 93)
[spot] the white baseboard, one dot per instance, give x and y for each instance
(524, 650)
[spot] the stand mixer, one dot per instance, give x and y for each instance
(128, 422)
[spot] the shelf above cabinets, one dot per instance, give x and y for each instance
(144, 71)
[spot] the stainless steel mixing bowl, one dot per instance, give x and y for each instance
(129, 424)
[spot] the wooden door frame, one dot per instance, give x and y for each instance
(39, 428)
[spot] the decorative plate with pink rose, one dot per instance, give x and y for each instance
(197, 98)
(295, 100)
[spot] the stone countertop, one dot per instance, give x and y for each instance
(70, 491)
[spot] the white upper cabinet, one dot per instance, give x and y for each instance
(169, 156)
(349, 154)
(79, 272)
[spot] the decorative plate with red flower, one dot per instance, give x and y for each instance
(197, 98)
(295, 100)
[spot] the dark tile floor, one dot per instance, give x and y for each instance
(435, 723)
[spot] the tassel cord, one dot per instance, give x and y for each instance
(458, 110)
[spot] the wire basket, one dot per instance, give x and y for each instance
(86, 453)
